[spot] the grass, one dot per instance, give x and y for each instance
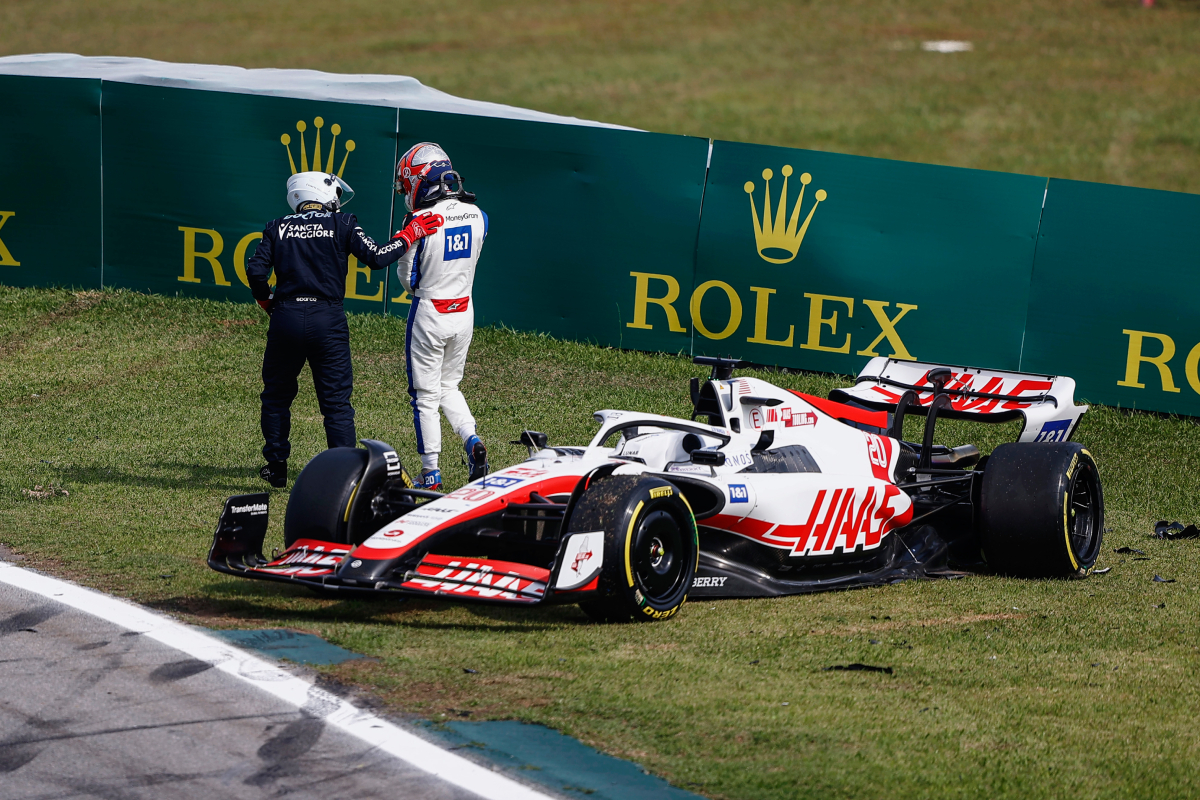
(144, 409)
(1096, 90)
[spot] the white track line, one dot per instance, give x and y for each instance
(268, 677)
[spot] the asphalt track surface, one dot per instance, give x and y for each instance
(139, 706)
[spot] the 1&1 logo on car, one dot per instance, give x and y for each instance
(500, 481)
(1054, 431)
(738, 493)
(458, 243)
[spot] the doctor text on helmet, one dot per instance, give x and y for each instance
(656, 297)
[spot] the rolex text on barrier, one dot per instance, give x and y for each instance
(652, 242)
(823, 261)
(191, 178)
(1116, 295)
(49, 182)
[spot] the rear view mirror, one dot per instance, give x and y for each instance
(708, 458)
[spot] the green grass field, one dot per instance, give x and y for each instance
(144, 410)
(1097, 90)
(136, 416)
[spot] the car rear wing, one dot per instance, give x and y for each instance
(1046, 403)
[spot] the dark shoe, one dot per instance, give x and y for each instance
(477, 463)
(274, 473)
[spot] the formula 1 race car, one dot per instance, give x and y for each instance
(763, 492)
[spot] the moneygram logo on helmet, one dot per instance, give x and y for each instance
(779, 243)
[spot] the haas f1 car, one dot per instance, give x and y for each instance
(763, 492)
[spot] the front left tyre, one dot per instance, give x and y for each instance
(320, 499)
(651, 547)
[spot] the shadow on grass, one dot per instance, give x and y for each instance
(261, 601)
(186, 476)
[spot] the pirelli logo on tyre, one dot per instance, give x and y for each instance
(655, 614)
(661, 491)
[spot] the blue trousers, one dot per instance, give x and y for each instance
(314, 331)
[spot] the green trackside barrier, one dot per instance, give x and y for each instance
(1114, 301)
(191, 177)
(821, 261)
(574, 212)
(50, 207)
(623, 238)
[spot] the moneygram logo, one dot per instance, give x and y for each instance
(779, 240)
(318, 124)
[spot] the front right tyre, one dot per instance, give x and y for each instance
(651, 547)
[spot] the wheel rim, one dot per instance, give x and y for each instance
(657, 555)
(1082, 523)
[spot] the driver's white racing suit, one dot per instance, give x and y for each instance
(438, 273)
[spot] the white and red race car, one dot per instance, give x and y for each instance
(763, 492)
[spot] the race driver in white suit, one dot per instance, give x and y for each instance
(438, 274)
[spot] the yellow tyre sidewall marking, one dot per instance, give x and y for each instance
(1067, 529)
(695, 531)
(629, 542)
(350, 502)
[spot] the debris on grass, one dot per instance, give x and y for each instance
(1104, 571)
(1161, 579)
(1128, 550)
(470, 671)
(1175, 530)
(856, 667)
(39, 492)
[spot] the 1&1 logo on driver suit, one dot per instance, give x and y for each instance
(458, 243)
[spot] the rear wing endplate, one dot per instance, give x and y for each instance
(1046, 403)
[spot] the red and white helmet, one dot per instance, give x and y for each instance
(414, 167)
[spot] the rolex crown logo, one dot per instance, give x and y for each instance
(777, 243)
(318, 123)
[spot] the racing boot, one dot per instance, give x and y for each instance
(431, 479)
(274, 473)
(477, 463)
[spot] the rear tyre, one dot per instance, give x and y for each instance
(1041, 510)
(651, 547)
(317, 508)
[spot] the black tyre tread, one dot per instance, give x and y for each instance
(320, 495)
(1022, 517)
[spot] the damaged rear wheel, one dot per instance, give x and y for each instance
(1041, 510)
(651, 547)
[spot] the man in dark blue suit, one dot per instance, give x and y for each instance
(309, 252)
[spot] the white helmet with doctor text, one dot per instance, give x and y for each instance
(318, 187)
